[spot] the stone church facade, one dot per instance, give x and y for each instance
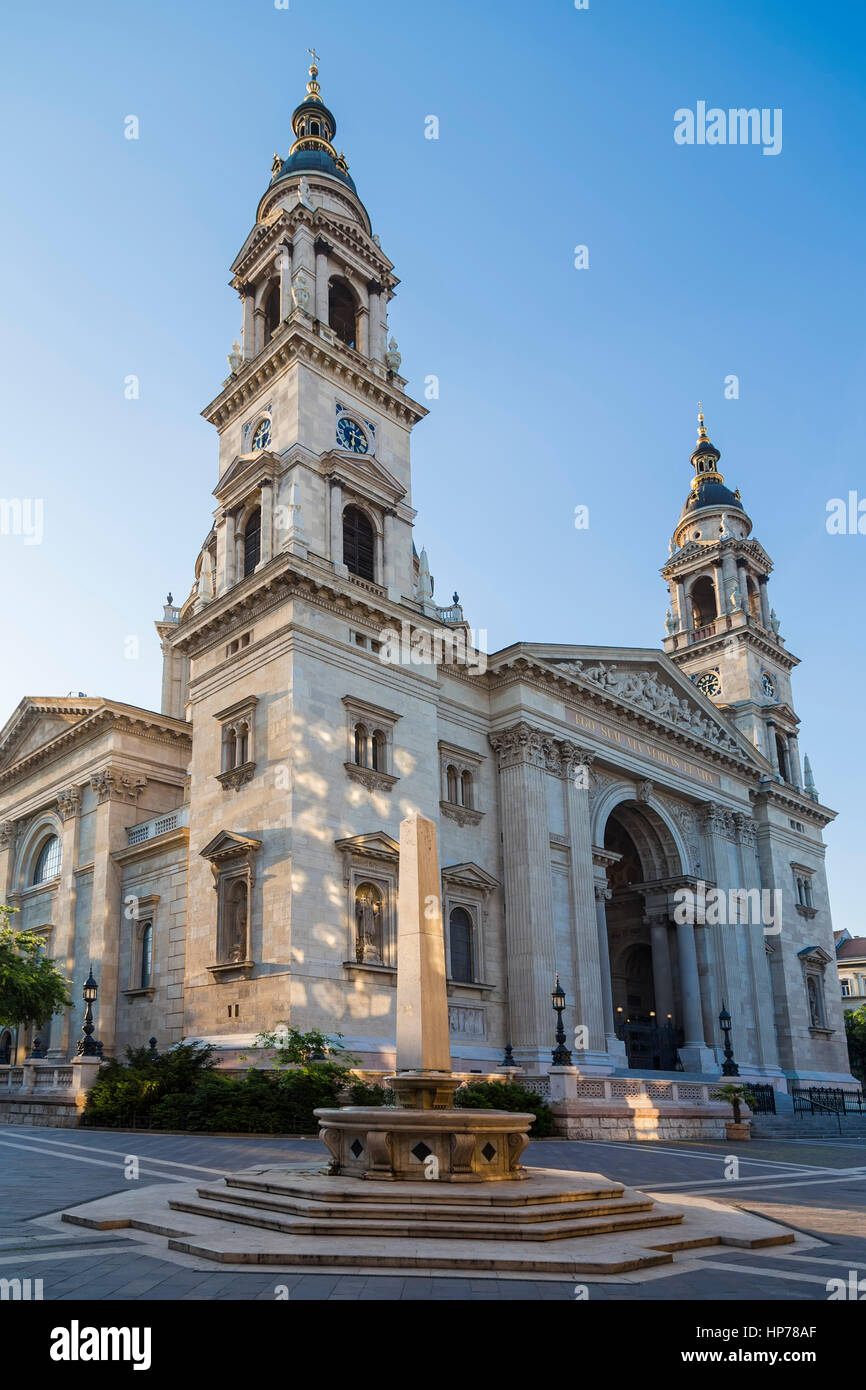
(232, 861)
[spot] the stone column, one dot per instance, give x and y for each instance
(721, 596)
(336, 525)
(248, 331)
(284, 265)
(717, 829)
(765, 602)
(267, 543)
(694, 1054)
(229, 550)
(773, 748)
(765, 1052)
(362, 331)
(615, 1048)
(69, 807)
(662, 979)
(391, 528)
(376, 346)
(322, 250)
(710, 999)
(529, 925)
(117, 793)
(794, 758)
(590, 988)
(688, 615)
(259, 328)
(729, 574)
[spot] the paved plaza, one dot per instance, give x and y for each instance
(815, 1187)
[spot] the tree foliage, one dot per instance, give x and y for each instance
(31, 986)
(855, 1032)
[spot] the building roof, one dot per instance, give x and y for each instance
(852, 949)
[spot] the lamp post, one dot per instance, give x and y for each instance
(88, 1046)
(729, 1066)
(561, 1055)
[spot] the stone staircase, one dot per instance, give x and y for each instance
(804, 1126)
(555, 1223)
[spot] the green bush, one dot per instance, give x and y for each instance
(125, 1094)
(507, 1095)
(366, 1093)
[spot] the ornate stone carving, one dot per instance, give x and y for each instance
(370, 778)
(116, 785)
(644, 689)
(464, 815)
(521, 744)
(236, 776)
(746, 828)
(69, 802)
(466, 1020)
(7, 833)
(645, 790)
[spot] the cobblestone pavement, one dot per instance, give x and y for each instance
(815, 1186)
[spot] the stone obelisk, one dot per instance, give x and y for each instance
(423, 1073)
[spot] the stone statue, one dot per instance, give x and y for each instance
(671, 623)
(235, 357)
(736, 600)
(367, 934)
(304, 194)
(300, 293)
(392, 357)
(774, 621)
(276, 165)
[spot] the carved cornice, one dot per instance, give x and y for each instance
(371, 779)
(464, 815)
(236, 777)
(157, 728)
(795, 803)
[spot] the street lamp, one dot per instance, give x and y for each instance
(729, 1066)
(88, 1046)
(561, 1055)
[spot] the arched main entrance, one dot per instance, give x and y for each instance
(644, 984)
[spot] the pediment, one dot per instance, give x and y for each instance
(377, 845)
(366, 472)
(645, 680)
(228, 844)
(469, 875)
(244, 470)
(37, 721)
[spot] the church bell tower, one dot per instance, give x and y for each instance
(720, 627)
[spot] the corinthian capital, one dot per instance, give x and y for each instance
(69, 802)
(522, 743)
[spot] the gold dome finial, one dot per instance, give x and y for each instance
(702, 429)
(313, 88)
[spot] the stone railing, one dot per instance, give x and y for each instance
(157, 825)
(38, 1075)
(46, 1093)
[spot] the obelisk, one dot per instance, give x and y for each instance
(423, 1072)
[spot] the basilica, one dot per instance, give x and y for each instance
(231, 861)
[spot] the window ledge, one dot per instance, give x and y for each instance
(464, 815)
(474, 987)
(147, 993)
(232, 970)
(236, 777)
(821, 1032)
(370, 778)
(390, 971)
(805, 911)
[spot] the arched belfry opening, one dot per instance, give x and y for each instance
(342, 312)
(703, 597)
(641, 938)
(272, 312)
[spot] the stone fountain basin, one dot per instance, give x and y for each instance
(385, 1142)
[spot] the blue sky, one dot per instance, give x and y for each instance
(558, 387)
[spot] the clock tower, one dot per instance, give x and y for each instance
(720, 628)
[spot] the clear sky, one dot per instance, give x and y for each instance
(558, 386)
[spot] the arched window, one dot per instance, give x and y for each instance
(782, 756)
(460, 934)
(377, 750)
(703, 597)
(243, 744)
(146, 957)
(230, 749)
(48, 862)
(368, 923)
(360, 745)
(466, 789)
(754, 600)
(272, 312)
(262, 436)
(358, 543)
(451, 779)
(252, 541)
(341, 311)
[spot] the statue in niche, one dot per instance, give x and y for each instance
(236, 933)
(368, 922)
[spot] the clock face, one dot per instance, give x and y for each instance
(709, 683)
(768, 684)
(351, 436)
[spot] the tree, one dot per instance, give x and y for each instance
(855, 1031)
(31, 986)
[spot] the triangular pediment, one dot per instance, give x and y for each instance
(644, 680)
(37, 721)
(228, 844)
(376, 845)
(366, 472)
(469, 875)
(244, 470)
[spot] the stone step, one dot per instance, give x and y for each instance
(449, 1194)
(530, 1213)
(407, 1228)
